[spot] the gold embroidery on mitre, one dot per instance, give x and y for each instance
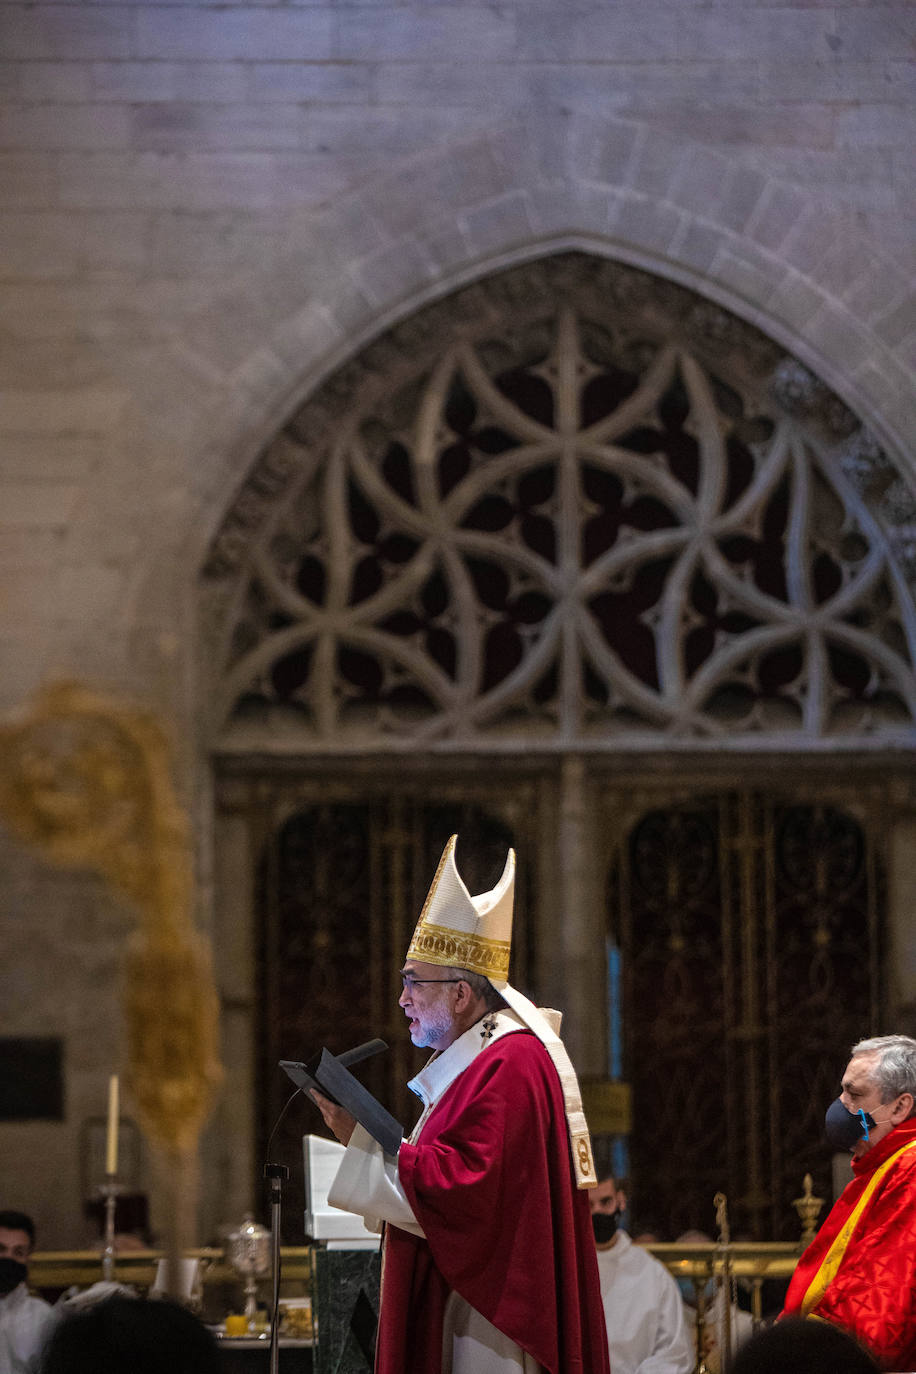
(457, 949)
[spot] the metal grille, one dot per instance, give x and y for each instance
(340, 887)
(752, 942)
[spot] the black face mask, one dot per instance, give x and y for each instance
(604, 1225)
(12, 1273)
(845, 1129)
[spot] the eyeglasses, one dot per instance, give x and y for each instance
(409, 982)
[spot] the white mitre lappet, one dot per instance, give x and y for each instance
(460, 931)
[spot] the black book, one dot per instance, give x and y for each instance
(331, 1076)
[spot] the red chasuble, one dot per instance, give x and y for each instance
(491, 1182)
(859, 1272)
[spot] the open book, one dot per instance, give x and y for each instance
(338, 1230)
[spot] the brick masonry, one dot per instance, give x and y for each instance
(205, 208)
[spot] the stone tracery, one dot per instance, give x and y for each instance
(570, 505)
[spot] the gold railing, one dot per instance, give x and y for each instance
(750, 1263)
(753, 1261)
(57, 1269)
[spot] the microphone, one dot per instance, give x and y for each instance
(361, 1052)
(302, 1076)
(331, 1076)
(305, 1075)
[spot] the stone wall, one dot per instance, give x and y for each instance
(206, 208)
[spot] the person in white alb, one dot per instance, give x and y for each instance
(25, 1321)
(646, 1331)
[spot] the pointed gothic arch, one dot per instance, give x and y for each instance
(570, 506)
(525, 546)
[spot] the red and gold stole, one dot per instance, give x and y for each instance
(834, 1256)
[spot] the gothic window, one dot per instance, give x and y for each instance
(574, 509)
(565, 516)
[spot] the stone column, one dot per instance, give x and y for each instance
(580, 922)
(227, 1148)
(901, 895)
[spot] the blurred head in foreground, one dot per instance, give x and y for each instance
(131, 1336)
(797, 1346)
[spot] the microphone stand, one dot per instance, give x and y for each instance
(276, 1174)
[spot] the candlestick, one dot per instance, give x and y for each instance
(807, 1206)
(109, 1191)
(111, 1139)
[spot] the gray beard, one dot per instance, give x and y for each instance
(436, 1024)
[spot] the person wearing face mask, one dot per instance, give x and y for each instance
(25, 1321)
(642, 1307)
(859, 1272)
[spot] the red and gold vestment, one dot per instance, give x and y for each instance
(859, 1272)
(491, 1182)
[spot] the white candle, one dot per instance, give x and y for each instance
(111, 1139)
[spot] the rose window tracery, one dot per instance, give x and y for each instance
(585, 524)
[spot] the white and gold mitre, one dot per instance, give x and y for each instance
(461, 931)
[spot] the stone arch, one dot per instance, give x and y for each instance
(368, 508)
(768, 251)
(616, 190)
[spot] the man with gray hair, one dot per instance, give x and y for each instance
(859, 1272)
(488, 1261)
